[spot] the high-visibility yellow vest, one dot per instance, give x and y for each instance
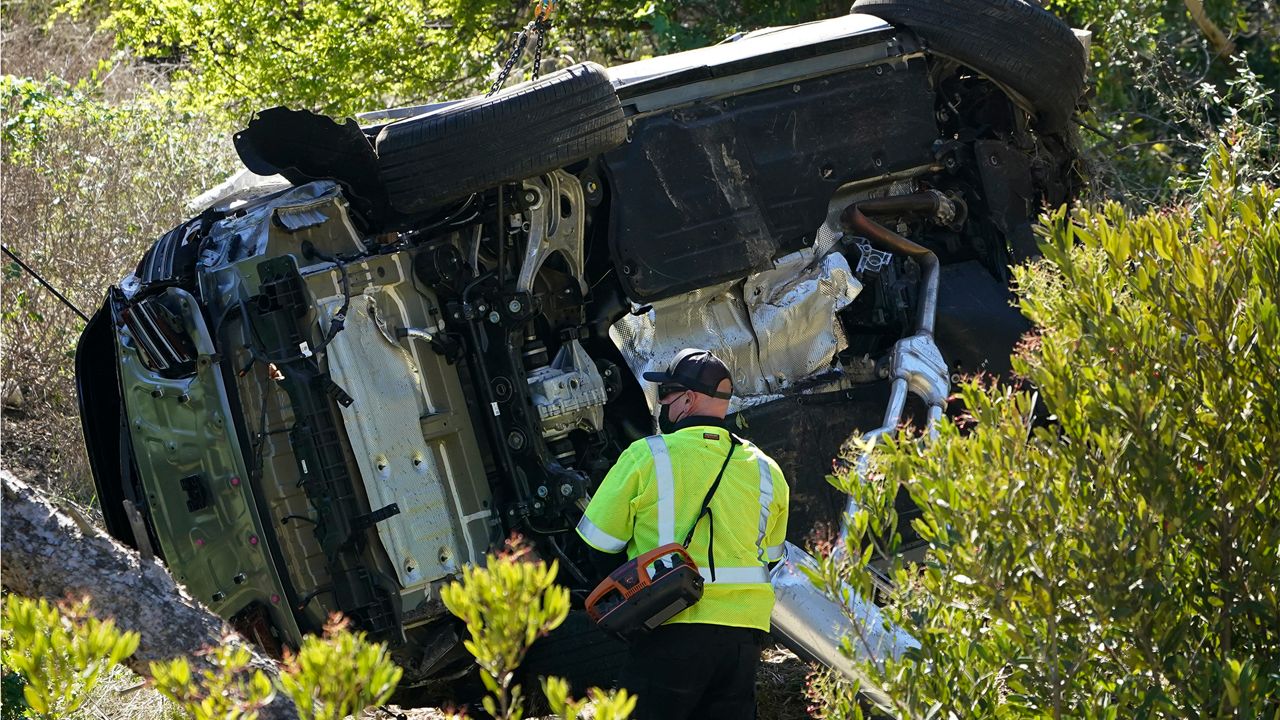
(653, 495)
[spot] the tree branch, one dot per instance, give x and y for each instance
(1222, 45)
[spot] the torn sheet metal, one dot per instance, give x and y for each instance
(810, 622)
(714, 318)
(793, 312)
(236, 191)
(301, 217)
(315, 212)
(773, 330)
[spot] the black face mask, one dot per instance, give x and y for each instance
(666, 425)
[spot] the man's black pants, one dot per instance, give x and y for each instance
(688, 670)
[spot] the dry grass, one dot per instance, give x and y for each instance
(81, 211)
(780, 685)
(89, 179)
(121, 695)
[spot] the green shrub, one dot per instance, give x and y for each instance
(12, 704)
(54, 658)
(610, 705)
(506, 605)
(329, 678)
(60, 653)
(1120, 559)
(339, 675)
(228, 691)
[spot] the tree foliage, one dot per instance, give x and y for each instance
(341, 58)
(1166, 90)
(1120, 557)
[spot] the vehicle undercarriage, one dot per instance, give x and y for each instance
(328, 392)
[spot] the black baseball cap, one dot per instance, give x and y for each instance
(696, 370)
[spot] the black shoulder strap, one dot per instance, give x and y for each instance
(734, 442)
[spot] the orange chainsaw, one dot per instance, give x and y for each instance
(646, 591)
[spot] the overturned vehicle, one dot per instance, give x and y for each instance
(408, 337)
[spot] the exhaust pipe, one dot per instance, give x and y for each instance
(804, 617)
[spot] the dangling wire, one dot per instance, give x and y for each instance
(44, 282)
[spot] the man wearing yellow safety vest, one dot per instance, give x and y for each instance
(702, 662)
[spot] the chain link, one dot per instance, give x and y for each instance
(516, 52)
(543, 26)
(540, 24)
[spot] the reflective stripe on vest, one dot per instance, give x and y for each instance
(667, 516)
(766, 499)
(666, 490)
(736, 575)
(598, 538)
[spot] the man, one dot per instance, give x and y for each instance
(702, 662)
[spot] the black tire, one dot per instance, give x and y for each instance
(577, 651)
(525, 130)
(1013, 42)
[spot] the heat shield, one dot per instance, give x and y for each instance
(773, 330)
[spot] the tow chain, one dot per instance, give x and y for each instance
(541, 25)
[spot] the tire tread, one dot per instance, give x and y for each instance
(520, 132)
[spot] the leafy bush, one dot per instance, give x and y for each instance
(228, 691)
(611, 705)
(329, 678)
(60, 653)
(1120, 557)
(507, 605)
(54, 657)
(341, 675)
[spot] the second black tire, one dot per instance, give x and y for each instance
(521, 132)
(1013, 42)
(579, 651)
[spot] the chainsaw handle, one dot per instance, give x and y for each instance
(632, 576)
(603, 590)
